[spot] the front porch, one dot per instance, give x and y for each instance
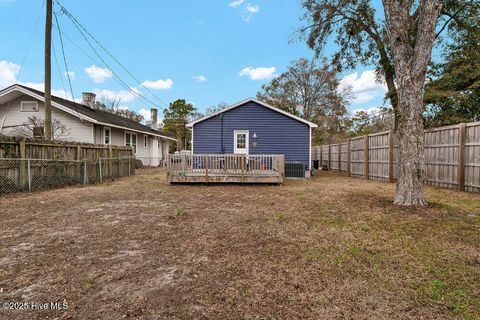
(225, 168)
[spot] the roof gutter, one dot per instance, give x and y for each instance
(78, 114)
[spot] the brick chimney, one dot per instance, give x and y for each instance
(154, 118)
(89, 99)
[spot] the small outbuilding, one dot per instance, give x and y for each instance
(252, 127)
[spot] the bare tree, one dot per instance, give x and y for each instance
(411, 41)
(34, 128)
(113, 106)
(310, 89)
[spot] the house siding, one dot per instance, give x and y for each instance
(276, 133)
(79, 131)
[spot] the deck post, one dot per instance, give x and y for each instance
(167, 159)
(281, 164)
(206, 168)
(461, 156)
(242, 166)
(390, 155)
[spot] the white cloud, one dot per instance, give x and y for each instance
(159, 84)
(371, 110)
(8, 76)
(97, 74)
(71, 74)
(200, 78)
(235, 3)
(145, 113)
(247, 10)
(260, 73)
(8, 73)
(121, 95)
(364, 87)
(252, 8)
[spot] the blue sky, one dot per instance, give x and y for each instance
(206, 52)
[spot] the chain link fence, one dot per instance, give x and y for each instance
(20, 175)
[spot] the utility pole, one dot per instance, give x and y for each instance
(48, 69)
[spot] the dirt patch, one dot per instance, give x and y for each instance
(327, 248)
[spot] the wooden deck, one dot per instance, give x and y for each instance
(225, 168)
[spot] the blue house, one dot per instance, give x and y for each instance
(254, 127)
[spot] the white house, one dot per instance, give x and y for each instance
(85, 123)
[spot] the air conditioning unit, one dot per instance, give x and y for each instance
(295, 170)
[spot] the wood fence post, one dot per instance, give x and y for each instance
(391, 155)
(23, 179)
(366, 155)
(110, 156)
(461, 156)
(23, 150)
(349, 158)
(206, 168)
(78, 156)
(329, 157)
(321, 158)
(340, 157)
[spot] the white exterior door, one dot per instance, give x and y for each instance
(240, 142)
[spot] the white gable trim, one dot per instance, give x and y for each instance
(310, 124)
(77, 114)
(56, 105)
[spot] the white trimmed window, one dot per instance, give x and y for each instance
(145, 141)
(29, 106)
(107, 135)
(131, 140)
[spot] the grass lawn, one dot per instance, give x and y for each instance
(328, 248)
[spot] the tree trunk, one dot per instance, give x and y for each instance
(179, 139)
(410, 60)
(410, 158)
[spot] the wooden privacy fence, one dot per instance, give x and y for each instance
(452, 156)
(59, 150)
(225, 168)
(27, 165)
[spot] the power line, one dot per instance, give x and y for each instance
(58, 67)
(30, 41)
(64, 57)
(96, 62)
(80, 27)
(114, 74)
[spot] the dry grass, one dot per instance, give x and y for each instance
(329, 248)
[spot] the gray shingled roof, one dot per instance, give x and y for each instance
(99, 115)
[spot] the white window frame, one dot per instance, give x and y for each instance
(131, 144)
(105, 129)
(237, 150)
(35, 108)
(145, 141)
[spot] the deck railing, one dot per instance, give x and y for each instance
(224, 165)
